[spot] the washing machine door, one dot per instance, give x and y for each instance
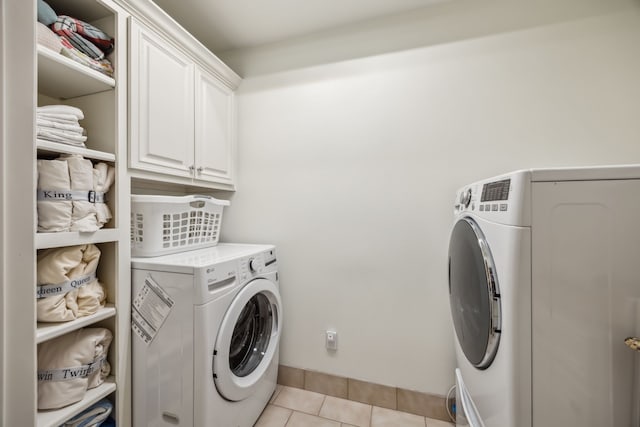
(247, 339)
(474, 294)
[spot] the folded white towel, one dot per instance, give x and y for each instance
(61, 109)
(60, 118)
(54, 214)
(58, 266)
(103, 178)
(61, 136)
(75, 129)
(70, 364)
(83, 217)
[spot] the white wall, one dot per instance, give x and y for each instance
(351, 167)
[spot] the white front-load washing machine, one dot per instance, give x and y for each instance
(544, 288)
(206, 330)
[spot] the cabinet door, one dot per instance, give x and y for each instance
(215, 129)
(162, 103)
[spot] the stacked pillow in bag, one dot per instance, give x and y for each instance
(70, 365)
(68, 287)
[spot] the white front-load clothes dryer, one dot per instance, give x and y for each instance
(209, 354)
(544, 288)
(489, 290)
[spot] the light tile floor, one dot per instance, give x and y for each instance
(293, 407)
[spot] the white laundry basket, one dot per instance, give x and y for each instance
(167, 224)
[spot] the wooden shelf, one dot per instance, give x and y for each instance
(56, 417)
(71, 238)
(63, 78)
(47, 331)
(57, 148)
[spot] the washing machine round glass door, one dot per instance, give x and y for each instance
(474, 293)
(247, 339)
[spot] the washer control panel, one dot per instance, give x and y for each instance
(256, 264)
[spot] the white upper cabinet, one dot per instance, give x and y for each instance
(182, 116)
(162, 105)
(215, 125)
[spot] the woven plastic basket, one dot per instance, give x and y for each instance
(167, 224)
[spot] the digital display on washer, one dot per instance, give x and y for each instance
(498, 190)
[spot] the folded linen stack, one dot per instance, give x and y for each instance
(60, 123)
(48, 38)
(71, 194)
(88, 39)
(80, 41)
(102, 65)
(71, 364)
(67, 284)
(94, 416)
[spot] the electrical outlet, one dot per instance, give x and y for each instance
(332, 340)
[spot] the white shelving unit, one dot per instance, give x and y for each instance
(103, 100)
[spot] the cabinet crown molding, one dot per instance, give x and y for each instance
(157, 19)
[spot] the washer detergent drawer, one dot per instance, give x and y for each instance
(467, 413)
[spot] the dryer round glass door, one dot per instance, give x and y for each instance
(247, 339)
(474, 293)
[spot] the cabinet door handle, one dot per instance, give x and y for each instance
(200, 169)
(191, 169)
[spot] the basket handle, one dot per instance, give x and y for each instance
(195, 203)
(198, 203)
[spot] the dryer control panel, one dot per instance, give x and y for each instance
(485, 197)
(503, 199)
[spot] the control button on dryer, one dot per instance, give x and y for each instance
(494, 207)
(503, 207)
(465, 197)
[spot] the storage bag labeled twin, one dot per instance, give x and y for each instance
(71, 364)
(71, 194)
(68, 286)
(167, 224)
